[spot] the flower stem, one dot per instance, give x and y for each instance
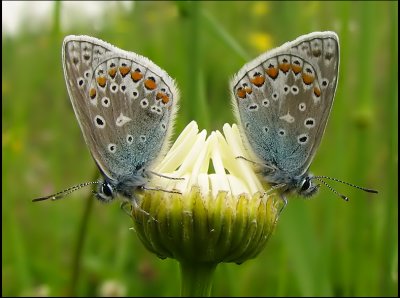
(196, 278)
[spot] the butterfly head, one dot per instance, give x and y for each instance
(109, 188)
(303, 185)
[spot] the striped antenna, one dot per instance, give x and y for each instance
(65, 192)
(319, 178)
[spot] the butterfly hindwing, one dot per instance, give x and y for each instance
(283, 99)
(124, 103)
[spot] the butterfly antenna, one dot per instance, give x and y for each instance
(349, 184)
(65, 192)
(319, 178)
(331, 188)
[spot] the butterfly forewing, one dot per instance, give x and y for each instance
(124, 103)
(283, 99)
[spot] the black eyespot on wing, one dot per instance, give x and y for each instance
(303, 139)
(99, 121)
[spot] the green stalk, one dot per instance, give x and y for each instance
(195, 90)
(80, 241)
(196, 278)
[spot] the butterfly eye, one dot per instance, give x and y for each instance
(105, 192)
(306, 184)
(107, 189)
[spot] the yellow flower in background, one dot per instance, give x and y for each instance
(5, 87)
(260, 41)
(11, 140)
(260, 8)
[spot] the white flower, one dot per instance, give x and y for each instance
(219, 212)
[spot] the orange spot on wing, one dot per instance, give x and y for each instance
(272, 72)
(150, 84)
(92, 93)
(284, 67)
(308, 79)
(164, 97)
(248, 90)
(124, 70)
(296, 68)
(258, 81)
(317, 92)
(112, 72)
(136, 76)
(101, 81)
(241, 93)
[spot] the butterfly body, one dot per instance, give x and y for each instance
(125, 106)
(282, 101)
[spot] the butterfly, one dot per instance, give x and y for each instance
(125, 106)
(282, 101)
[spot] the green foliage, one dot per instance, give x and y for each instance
(321, 247)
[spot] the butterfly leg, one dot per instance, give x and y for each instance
(126, 207)
(160, 189)
(281, 196)
(166, 177)
(256, 163)
(246, 159)
(284, 200)
(135, 206)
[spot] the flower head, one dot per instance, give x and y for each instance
(208, 205)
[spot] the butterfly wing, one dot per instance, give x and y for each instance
(124, 103)
(283, 99)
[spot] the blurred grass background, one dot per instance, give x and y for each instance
(321, 247)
